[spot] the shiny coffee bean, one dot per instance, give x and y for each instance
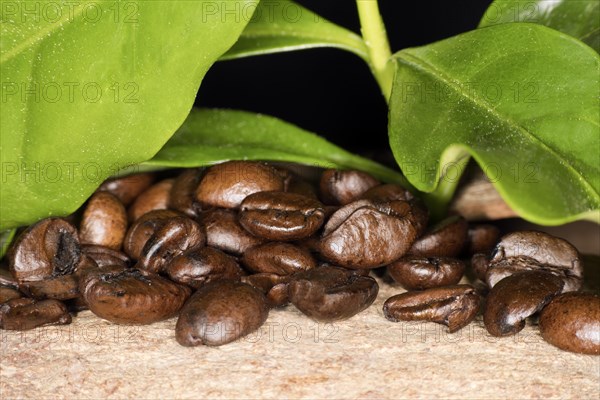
(445, 239)
(156, 197)
(104, 256)
(60, 288)
(343, 187)
(418, 273)
(104, 221)
(8, 293)
(482, 238)
(145, 227)
(365, 234)
(332, 293)
(278, 258)
(386, 193)
(281, 215)
(200, 266)
(46, 249)
(170, 240)
(132, 296)
(224, 232)
(517, 297)
(227, 185)
(479, 265)
(275, 287)
(128, 188)
(221, 312)
(24, 314)
(453, 306)
(571, 321)
(182, 196)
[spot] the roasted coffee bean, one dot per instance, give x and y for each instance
(224, 232)
(387, 193)
(226, 185)
(278, 258)
(417, 273)
(200, 266)
(482, 238)
(128, 188)
(156, 197)
(343, 187)
(332, 293)
(274, 287)
(104, 256)
(145, 227)
(479, 265)
(281, 215)
(182, 197)
(365, 234)
(8, 293)
(300, 186)
(221, 312)
(24, 314)
(104, 221)
(445, 239)
(530, 250)
(453, 306)
(571, 322)
(60, 288)
(132, 296)
(517, 297)
(46, 249)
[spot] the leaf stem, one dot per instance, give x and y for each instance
(378, 47)
(437, 201)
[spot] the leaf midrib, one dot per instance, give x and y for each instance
(431, 70)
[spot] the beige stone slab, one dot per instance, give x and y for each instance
(292, 357)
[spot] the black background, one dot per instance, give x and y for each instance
(332, 92)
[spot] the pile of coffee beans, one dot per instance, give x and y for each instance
(221, 247)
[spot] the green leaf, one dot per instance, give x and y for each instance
(6, 238)
(578, 18)
(211, 136)
(283, 25)
(522, 99)
(91, 87)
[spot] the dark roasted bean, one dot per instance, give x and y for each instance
(221, 312)
(479, 265)
(453, 306)
(8, 293)
(227, 185)
(517, 297)
(278, 258)
(571, 322)
(300, 186)
(182, 197)
(104, 221)
(104, 256)
(386, 193)
(49, 248)
(132, 296)
(281, 215)
(224, 232)
(445, 239)
(417, 273)
(343, 187)
(482, 238)
(145, 227)
(274, 287)
(60, 288)
(128, 188)
(198, 267)
(332, 293)
(24, 314)
(156, 197)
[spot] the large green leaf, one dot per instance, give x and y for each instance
(210, 136)
(283, 25)
(93, 86)
(578, 18)
(522, 99)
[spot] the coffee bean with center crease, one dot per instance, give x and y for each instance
(517, 297)
(132, 296)
(145, 227)
(445, 239)
(417, 273)
(571, 321)
(127, 188)
(453, 306)
(281, 215)
(224, 232)
(182, 196)
(226, 185)
(530, 250)
(278, 258)
(156, 197)
(197, 267)
(104, 221)
(221, 312)
(343, 187)
(24, 314)
(482, 238)
(366, 234)
(46, 249)
(332, 293)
